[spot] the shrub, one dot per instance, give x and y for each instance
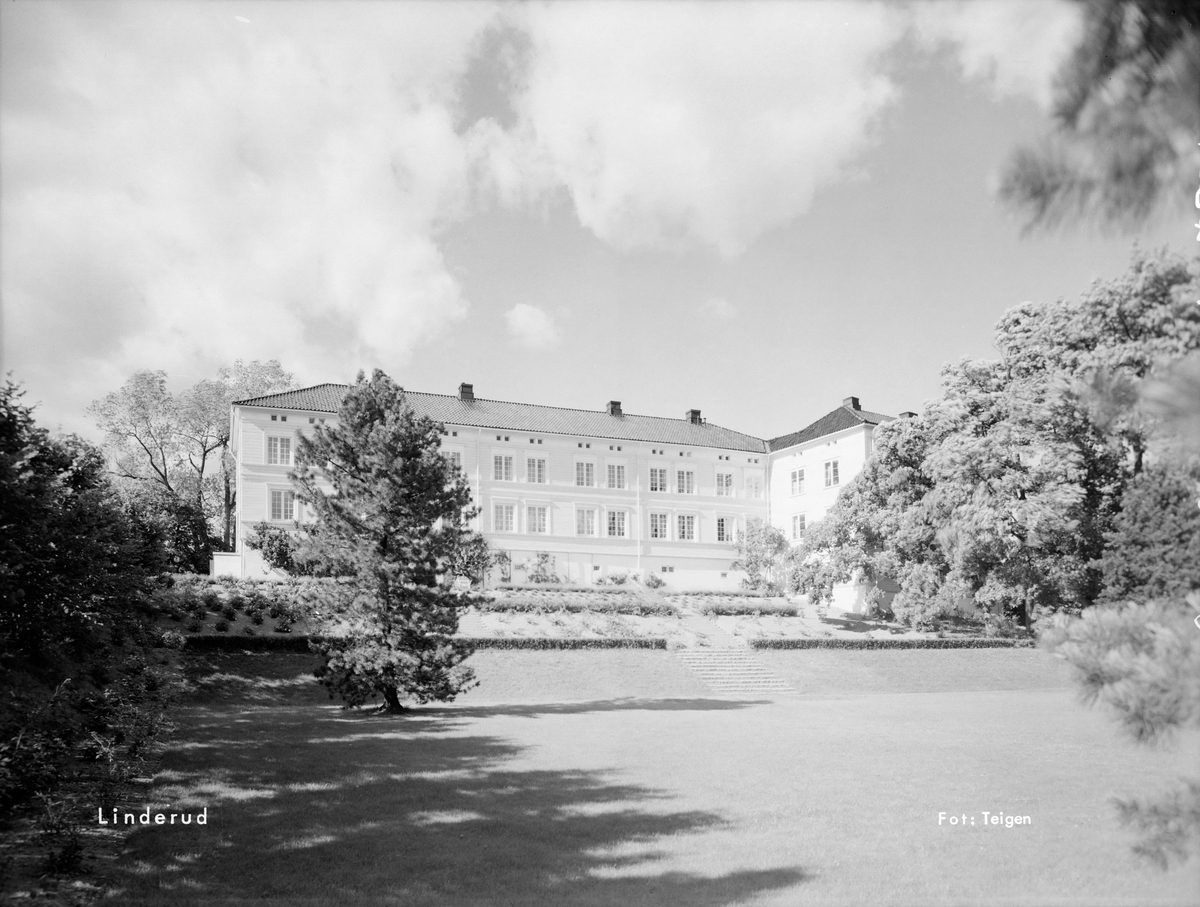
(229, 613)
(194, 626)
(221, 626)
(537, 642)
(652, 581)
(755, 609)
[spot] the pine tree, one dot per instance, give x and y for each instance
(390, 513)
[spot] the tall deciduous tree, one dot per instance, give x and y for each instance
(1126, 119)
(390, 515)
(1004, 488)
(177, 446)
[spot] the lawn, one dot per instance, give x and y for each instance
(572, 778)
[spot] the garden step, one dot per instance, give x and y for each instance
(732, 671)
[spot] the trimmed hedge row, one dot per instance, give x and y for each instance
(535, 606)
(300, 643)
(767, 609)
(892, 643)
(276, 642)
(550, 642)
(739, 593)
(562, 587)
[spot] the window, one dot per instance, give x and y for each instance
(725, 484)
(455, 458)
(616, 476)
(283, 505)
(797, 481)
(585, 474)
(585, 522)
(831, 473)
(687, 529)
(616, 523)
(725, 529)
(658, 525)
(685, 481)
(658, 479)
(754, 486)
(668, 569)
(798, 526)
(535, 519)
(502, 469)
(502, 518)
(279, 451)
(535, 471)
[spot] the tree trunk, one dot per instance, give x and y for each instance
(391, 696)
(229, 507)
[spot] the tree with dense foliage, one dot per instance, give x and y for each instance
(1153, 550)
(1126, 119)
(76, 634)
(765, 555)
(172, 450)
(390, 513)
(1004, 489)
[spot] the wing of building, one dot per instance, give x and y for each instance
(600, 491)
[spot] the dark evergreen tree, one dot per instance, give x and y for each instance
(390, 514)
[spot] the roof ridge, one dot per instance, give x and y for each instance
(571, 409)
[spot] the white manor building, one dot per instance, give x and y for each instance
(600, 491)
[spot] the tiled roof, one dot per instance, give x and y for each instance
(841, 418)
(327, 398)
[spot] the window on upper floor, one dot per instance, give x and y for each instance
(535, 471)
(535, 519)
(797, 481)
(585, 475)
(502, 468)
(616, 524)
(658, 525)
(725, 484)
(685, 481)
(687, 528)
(658, 479)
(455, 458)
(279, 451)
(831, 473)
(754, 486)
(502, 517)
(283, 504)
(616, 475)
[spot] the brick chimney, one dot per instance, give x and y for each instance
(614, 407)
(851, 402)
(466, 393)
(693, 416)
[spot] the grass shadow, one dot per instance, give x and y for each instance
(319, 806)
(534, 709)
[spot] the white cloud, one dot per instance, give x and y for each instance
(1016, 45)
(672, 124)
(718, 309)
(531, 326)
(182, 187)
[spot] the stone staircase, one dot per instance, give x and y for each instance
(732, 670)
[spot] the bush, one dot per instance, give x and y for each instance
(652, 581)
(534, 606)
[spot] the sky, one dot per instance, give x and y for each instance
(751, 209)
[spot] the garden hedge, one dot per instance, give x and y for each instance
(550, 642)
(983, 643)
(535, 606)
(300, 643)
(738, 609)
